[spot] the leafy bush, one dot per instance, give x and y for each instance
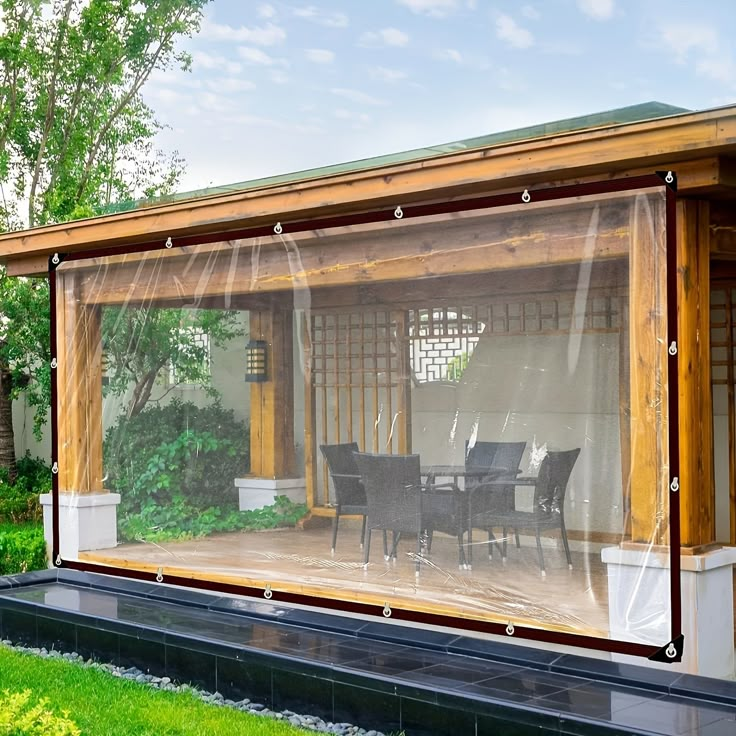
(19, 500)
(178, 453)
(22, 549)
(20, 717)
(174, 468)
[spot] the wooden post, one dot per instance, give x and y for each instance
(79, 418)
(697, 485)
(272, 402)
(647, 362)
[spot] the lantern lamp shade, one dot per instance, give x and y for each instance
(256, 368)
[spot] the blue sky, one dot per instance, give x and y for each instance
(282, 86)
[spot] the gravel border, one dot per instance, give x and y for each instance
(312, 723)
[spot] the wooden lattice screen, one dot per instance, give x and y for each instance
(723, 373)
(362, 362)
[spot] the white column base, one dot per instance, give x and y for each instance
(639, 604)
(255, 493)
(87, 521)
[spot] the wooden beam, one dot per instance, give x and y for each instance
(79, 410)
(697, 485)
(647, 356)
(272, 402)
(397, 251)
(661, 143)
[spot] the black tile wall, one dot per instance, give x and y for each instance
(376, 674)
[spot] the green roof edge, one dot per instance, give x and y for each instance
(630, 114)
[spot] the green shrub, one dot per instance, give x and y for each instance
(19, 500)
(22, 549)
(20, 717)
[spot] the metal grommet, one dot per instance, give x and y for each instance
(675, 485)
(669, 178)
(672, 349)
(386, 610)
(268, 593)
(671, 650)
(168, 243)
(510, 629)
(398, 213)
(278, 229)
(54, 362)
(160, 575)
(55, 259)
(526, 197)
(55, 468)
(57, 561)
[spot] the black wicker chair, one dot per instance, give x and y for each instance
(550, 487)
(497, 498)
(349, 492)
(400, 503)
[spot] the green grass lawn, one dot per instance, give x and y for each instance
(9, 526)
(104, 705)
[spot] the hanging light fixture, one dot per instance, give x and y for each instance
(256, 363)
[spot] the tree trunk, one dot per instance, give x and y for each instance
(7, 436)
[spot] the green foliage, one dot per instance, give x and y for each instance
(19, 498)
(456, 367)
(140, 343)
(103, 705)
(20, 717)
(180, 520)
(22, 548)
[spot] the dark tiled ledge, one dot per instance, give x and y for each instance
(378, 674)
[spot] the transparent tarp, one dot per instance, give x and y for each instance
(487, 389)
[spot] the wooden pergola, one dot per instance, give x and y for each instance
(698, 146)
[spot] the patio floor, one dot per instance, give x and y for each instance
(299, 561)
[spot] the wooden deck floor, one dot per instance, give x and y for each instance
(300, 561)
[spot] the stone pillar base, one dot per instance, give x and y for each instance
(87, 521)
(255, 493)
(639, 602)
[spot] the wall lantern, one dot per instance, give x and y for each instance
(256, 365)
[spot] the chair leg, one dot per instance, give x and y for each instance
(566, 543)
(462, 562)
(335, 522)
(491, 541)
(518, 542)
(539, 552)
(367, 549)
(504, 546)
(430, 537)
(362, 532)
(397, 537)
(385, 544)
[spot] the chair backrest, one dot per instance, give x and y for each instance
(393, 488)
(554, 474)
(499, 499)
(340, 459)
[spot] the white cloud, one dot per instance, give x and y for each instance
(384, 37)
(508, 30)
(266, 11)
(449, 55)
(214, 61)
(323, 17)
(434, 8)
(699, 45)
(359, 119)
(268, 35)
(530, 12)
(279, 77)
(383, 74)
(597, 9)
(355, 95)
(320, 56)
(256, 56)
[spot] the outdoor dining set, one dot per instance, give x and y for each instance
(397, 494)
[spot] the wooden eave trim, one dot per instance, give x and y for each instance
(604, 151)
